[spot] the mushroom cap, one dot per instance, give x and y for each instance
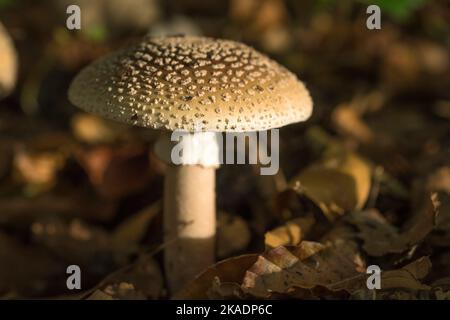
(192, 84)
(8, 64)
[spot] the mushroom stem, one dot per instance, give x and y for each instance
(189, 222)
(189, 203)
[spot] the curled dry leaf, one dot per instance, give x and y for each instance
(381, 238)
(289, 234)
(283, 270)
(407, 277)
(400, 284)
(339, 183)
(233, 234)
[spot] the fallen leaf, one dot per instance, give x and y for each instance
(381, 238)
(407, 277)
(289, 234)
(338, 184)
(283, 270)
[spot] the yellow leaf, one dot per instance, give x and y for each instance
(338, 184)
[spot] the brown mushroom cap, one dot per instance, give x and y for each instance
(192, 84)
(8, 63)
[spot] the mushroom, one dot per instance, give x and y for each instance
(8, 65)
(197, 87)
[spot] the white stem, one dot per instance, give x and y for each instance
(189, 210)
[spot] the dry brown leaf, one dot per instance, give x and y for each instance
(307, 266)
(381, 238)
(407, 277)
(400, 284)
(339, 183)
